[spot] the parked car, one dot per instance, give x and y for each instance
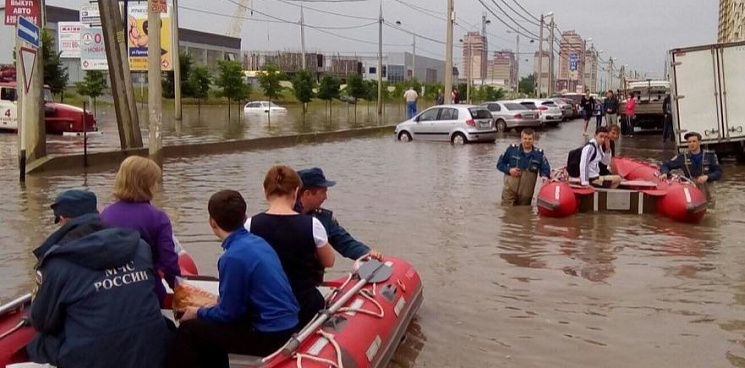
(567, 110)
(576, 98)
(263, 107)
(348, 99)
(458, 124)
(550, 113)
(508, 115)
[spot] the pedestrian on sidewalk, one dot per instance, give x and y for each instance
(411, 96)
(610, 105)
(588, 106)
(667, 127)
(598, 115)
(628, 126)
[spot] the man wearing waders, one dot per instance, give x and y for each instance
(702, 167)
(522, 164)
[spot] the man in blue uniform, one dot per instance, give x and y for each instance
(521, 165)
(310, 198)
(698, 165)
(95, 306)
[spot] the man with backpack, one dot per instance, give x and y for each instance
(585, 162)
(521, 165)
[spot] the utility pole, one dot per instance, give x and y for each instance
(121, 87)
(470, 70)
(540, 58)
(176, 63)
(155, 108)
(302, 35)
(610, 73)
(449, 55)
(380, 60)
(517, 66)
(413, 60)
(551, 82)
(484, 49)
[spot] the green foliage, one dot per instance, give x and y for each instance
(431, 90)
(93, 84)
(269, 80)
(527, 84)
(371, 89)
(168, 83)
(55, 75)
(400, 89)
(356, 87)
(413, 82)
(230, 79)
(329, 88)
(200, 80)
(463, 91)
(488, 93)
(302, 86)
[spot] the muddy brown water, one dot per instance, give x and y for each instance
(503, 287)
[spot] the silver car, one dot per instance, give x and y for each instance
(458, 124)
(509, 115)
(551, 114)
(567, 111)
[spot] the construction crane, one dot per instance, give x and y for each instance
(237, 24)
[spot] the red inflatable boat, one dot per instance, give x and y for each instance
(365, 320)
(641, 191)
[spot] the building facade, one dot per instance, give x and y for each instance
(571, 62)
(591, 70)
(474, 56)
(542, 75)
(398, 66)
(503, 67)
(731, 21)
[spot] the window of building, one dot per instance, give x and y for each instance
(373, 70)
(397, 73)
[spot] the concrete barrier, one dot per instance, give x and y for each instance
(100, 161)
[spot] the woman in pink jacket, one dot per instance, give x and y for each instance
(628, 126)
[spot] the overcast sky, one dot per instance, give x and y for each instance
(636, 32)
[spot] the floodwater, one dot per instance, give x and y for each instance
(503, 287)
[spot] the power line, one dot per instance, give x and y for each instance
(281, 21)
(520, 14)
(503, 22)
(328, 11)
(512, 19)
(526, 12)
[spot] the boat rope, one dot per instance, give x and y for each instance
(330, 338)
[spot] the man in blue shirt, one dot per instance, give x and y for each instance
(700, 166)
(256, 313)
(521, 165)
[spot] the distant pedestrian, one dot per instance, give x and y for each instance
(440, 97)
(588, 105)
(610, 105)
(667, 127)
(628, 126)
(598, 114)
(455, 96)
(411, 96)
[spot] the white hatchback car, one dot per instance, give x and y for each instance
(458, 124)
(263, 107)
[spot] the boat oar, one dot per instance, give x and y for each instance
(370, 272)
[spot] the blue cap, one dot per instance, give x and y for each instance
(74, 203)
(314, 178)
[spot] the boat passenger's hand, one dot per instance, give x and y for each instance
(374, 254)
(514, 172)
(662, 176)
(544, 179)
(702, 179)
(189, 313)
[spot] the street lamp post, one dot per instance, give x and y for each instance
(413, 51)
(449, 53)
(540, 53)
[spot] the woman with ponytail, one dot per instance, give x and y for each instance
(300, 240)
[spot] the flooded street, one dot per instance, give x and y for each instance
(503, 287)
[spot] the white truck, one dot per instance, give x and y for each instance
(708, 96)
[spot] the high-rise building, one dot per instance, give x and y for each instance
(503, 68)
(591, 69)
(571, 63)
(542, 76)
(731, 21)
(474, 55)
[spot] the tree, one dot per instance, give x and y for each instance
(269, 80)
(92, 86)
(527, 84)
(168, 83)
(463, 91)
(230, 79)
(200, 80)
(371, 93)
(55, 75)
(357, 89)
(302, 86)
(329, 89)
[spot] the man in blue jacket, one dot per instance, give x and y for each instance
(257, 311)
(310, 199)
(95, 305)
(521, 165)
(700, 166)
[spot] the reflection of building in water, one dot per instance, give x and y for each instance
(731, 21)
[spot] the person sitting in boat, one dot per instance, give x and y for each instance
(700, 166)
(310, 199)
(136, 184)
(521, 165)
(300, 240)
(257, 312)
(595, 152)
(614, 131)
(95, 305)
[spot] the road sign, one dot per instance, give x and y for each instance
(92, 49)
(573, 61)
(22, 8)
(28, 32)
(90, 15)
(28, 63)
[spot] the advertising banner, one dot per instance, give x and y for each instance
(137, 26)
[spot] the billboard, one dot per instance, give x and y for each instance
(90, 15)
(137, 26)
(28, 9)
(92, 49)
(68, 39)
